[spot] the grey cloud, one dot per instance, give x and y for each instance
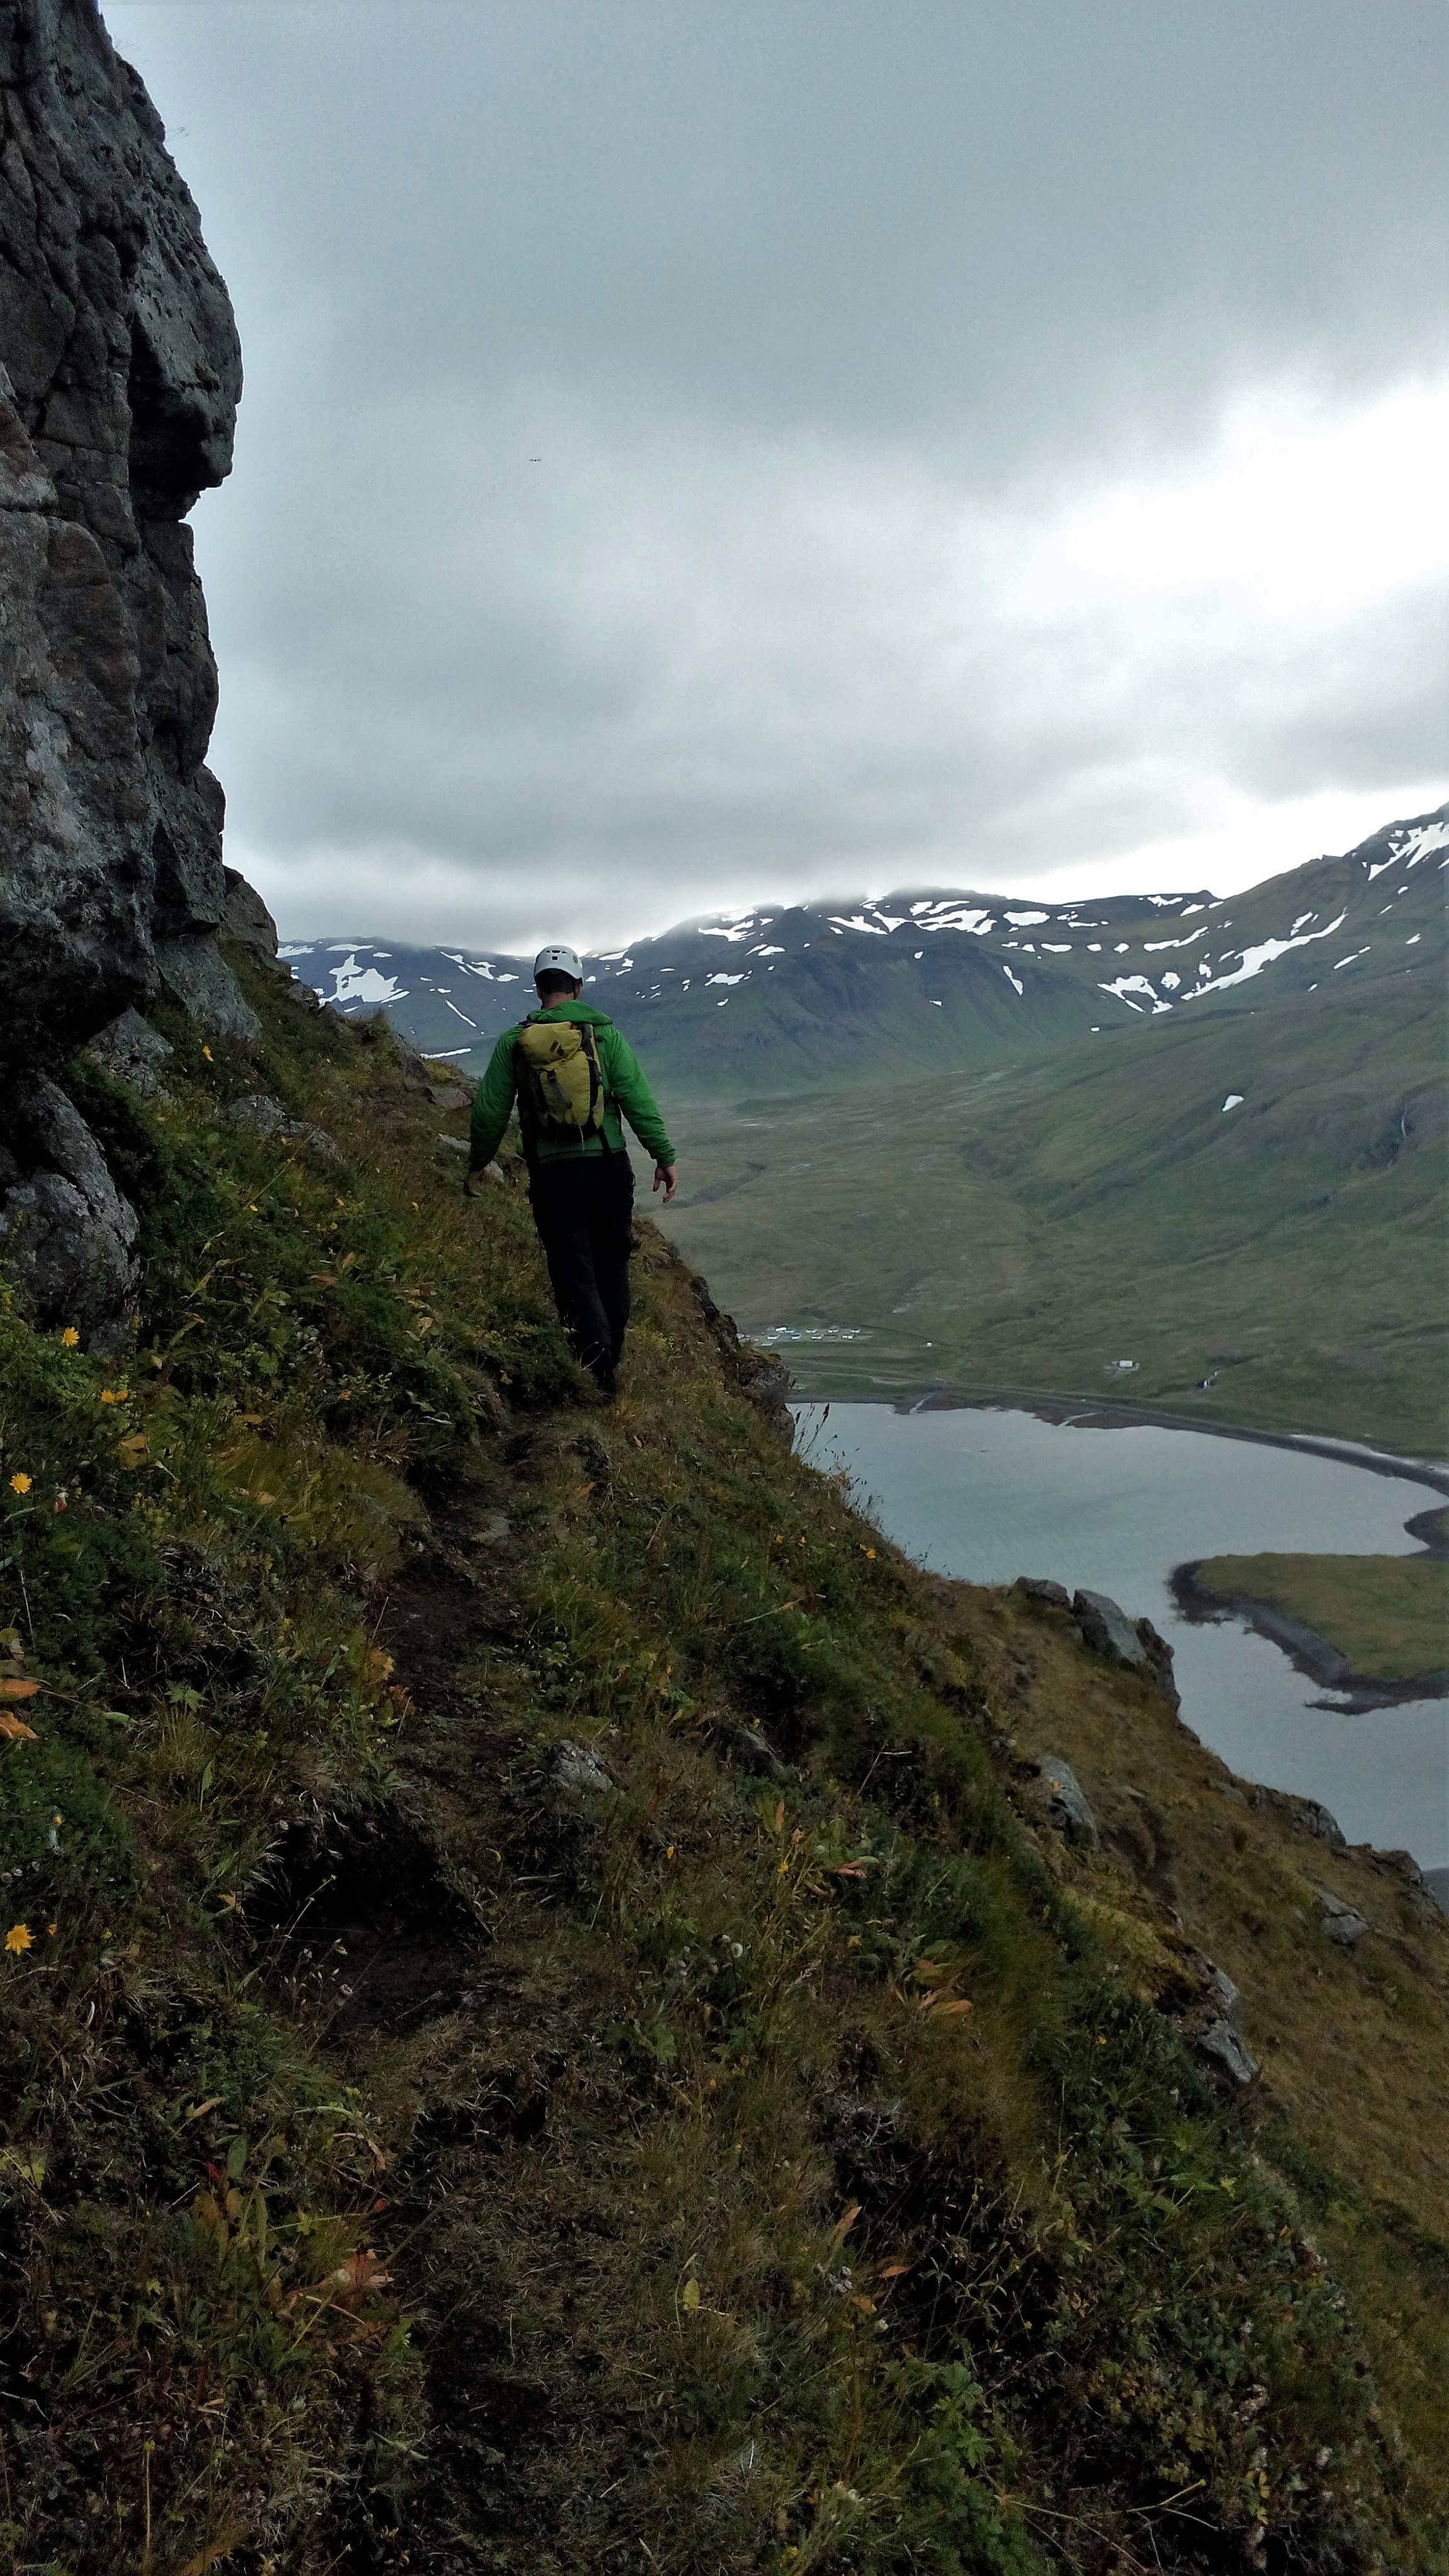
(888, 219)
(812, 313)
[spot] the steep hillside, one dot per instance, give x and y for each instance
(1252, 1198)
(556, 2014)
(562, 2006)
(785, 998)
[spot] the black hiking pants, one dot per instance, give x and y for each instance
(583, 1207)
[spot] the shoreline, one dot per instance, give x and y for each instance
(1307, 1651)
(1114, 1415)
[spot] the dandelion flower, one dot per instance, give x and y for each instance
(19, 1484)
(70, 1337)
(206, 1051)
(18, 1938)
(115, 1395)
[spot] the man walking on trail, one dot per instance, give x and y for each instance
(572, 1074)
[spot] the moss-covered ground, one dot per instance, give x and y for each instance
(540, 2028)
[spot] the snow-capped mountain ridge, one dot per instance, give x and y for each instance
(930, 969)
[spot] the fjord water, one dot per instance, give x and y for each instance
(988, 1493)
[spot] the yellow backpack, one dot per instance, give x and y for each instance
(559, 1076)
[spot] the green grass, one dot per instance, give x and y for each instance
(405, 2158)
(1389, 1615)
(1025, 1229)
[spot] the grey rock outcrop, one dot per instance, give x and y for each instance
(1133, 1643)
(1040, 1587)
(1059, 1792)
(118, 394)
(117, 410)
(130, 1050)
(1220, 2037)
(264, 1117)
(1159, 1661)
(246, 922)
(1107, 1629)
(1226, 2048)
(1305, 1814)
(195, 974)
(575, 1766)
(1339, 1921)
(67, 1235)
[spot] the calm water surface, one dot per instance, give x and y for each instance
(990, 1493)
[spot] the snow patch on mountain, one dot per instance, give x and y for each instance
(1253, 960)
(354, 983)
(1126, 985)
(1408, 849)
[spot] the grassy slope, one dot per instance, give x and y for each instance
(1388, 1614)
(1026, 1228)
(412, 2160)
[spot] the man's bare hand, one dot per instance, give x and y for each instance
(474, 1178)
(666, 1178)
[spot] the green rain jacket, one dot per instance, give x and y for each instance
(625, 1088)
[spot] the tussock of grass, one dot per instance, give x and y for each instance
(766, 2152)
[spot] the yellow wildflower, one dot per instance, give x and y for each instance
(115, 1395)
(18, 1938)
(20, 1484)
(70, 1337)
(206, 1051)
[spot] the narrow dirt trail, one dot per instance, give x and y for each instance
(479, 2012)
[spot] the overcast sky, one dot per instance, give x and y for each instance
(698, 453)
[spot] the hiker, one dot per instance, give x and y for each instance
(572, 1073)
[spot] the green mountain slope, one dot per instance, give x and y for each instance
(1031, 1227)
(546, 2023)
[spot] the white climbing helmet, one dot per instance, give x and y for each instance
(559, 961)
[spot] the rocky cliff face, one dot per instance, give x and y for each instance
(119, 378)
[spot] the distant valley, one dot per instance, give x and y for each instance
(1183, 1150)
(1236, 1217)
